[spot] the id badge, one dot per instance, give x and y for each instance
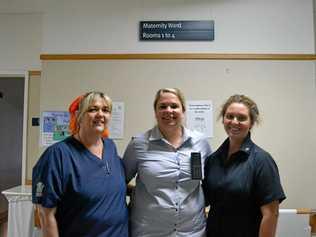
(196, 165)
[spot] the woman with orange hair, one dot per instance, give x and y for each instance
(79, 183)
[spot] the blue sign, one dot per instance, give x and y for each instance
(176, 30)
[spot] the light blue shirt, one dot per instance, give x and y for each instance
(166, 201)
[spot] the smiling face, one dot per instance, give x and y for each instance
(169, 112)
(237, 121)
(96, 118)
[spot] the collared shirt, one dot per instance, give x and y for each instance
(237, 187)
(166, 201)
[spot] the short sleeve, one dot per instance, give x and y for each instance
(267, 185)
(130, 161)
(47, 178)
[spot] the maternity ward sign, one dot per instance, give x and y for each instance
(176, 30)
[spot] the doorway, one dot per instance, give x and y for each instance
(13, 94)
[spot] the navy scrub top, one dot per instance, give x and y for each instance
(237, 188)
(89, 193)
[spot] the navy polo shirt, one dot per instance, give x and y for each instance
(236, 188)
(89, 193)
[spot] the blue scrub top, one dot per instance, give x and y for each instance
(89, 193)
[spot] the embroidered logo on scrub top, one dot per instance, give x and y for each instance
(39, 189)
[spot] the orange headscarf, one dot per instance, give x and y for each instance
(73, 124)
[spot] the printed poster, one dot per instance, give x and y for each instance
(200, 116)
(54, 127)
(116, 125)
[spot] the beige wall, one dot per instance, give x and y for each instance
(21, 41)
(32, 144)
(284, 90)
(80, 26)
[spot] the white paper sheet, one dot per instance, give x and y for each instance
(200, 116)
(116, 125)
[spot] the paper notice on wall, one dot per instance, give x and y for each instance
(54, 127)
(116, 125)
(199, 116)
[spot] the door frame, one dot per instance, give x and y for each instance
(24, 75)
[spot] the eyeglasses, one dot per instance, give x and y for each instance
(239, 118)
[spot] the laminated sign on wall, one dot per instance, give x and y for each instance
(54, 127)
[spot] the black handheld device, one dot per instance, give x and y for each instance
(196, 165)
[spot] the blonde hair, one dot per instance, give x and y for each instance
(81, 104)
(88, 99)
(174, 91)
